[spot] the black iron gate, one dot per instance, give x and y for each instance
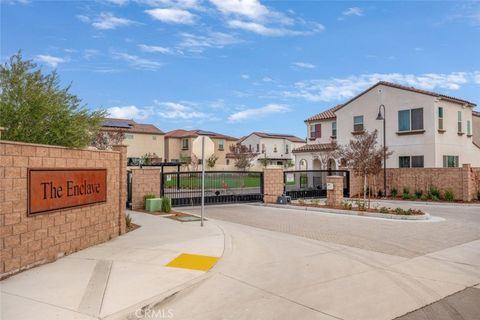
(313, 183)
(129, 189)
(185, 188)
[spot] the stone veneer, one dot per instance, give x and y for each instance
(272, 184)
(144, 181)
(29, 241)
(335, 196)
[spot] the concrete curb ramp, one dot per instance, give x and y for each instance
(114, 279)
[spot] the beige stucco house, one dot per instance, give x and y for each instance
(423, 128)
(141, 138)
(476, 127)
(275, 148)
(178, 146)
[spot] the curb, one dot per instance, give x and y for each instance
(428, 203)
(353, 212)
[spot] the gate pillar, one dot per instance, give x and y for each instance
(334, 190)
(273, 184)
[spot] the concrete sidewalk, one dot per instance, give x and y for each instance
(111, 280)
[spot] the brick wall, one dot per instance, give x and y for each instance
(144, 181)
(335, 195)
(29, 241)
(272, 184)
(461, 181)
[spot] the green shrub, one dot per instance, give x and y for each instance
(449, 196)
(434, 192)
(361, 205)
(384, 210)
(394, 192)
(166, 204)
(406, 190)
(347, 205)
(128, 220)
(424, 197)
(405, 196)
(418, 194)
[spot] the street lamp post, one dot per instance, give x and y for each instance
(382, 117)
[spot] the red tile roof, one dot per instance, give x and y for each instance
(288, 137)
(315, 147)
(325, 115)
(129, 126)
(180, 133)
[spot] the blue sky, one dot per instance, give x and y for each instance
(240, 66)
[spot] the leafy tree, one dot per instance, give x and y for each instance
(242, 155)
(288, 164)
(211, 161)
(35, 108)
(364, 156)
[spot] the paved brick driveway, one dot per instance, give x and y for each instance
(400, 238)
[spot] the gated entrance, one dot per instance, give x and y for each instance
(129, 190)
(184, 188)
(312, 183)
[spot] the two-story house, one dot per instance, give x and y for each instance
(141, 138)
(423, 128)
(275, 149)
(178, 145)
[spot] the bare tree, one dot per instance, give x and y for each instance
(364, 156)
(242, 156)
(103, 140)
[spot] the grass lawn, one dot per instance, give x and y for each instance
(219, 182)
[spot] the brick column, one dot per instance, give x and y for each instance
(467, 184)
(335, 196)
(122, 189)
(272, 184)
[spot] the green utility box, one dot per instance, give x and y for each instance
(153, 204)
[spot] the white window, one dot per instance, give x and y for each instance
(334, 129)
(469, 128)
(154, 137)
(358, 124)
(459, 123)
(450, 161)
(440, 118)
(128, 136)
(411, 162)
(411, 119)
(263, 148)
(221, 145)
(286, 148)
(275, 148)
(185, 144)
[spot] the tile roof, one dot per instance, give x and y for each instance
(314, 147)
(476, 113)
(402, 87)
(180, 133)
(325, 115)
(128, 125)
(289, 137)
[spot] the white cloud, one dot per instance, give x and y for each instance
(128, 112)
(154, 49)
(273, 31)
(185, 4)
(50, 60)
(267, 79)
(305, 65)
(353, 11)
(140, 63)
(106, 21)
(343, 88)
(252, 9)
(12, 2)
(256, 113)
(172, 15)
(90, 53)
(117, 2)
(178, 111)
(245, 76)
(197, 43)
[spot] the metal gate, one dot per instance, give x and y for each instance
(129, 189)
(313, 183)
(184, 188)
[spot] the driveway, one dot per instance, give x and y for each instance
(290, 264)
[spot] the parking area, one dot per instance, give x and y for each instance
(457, 225)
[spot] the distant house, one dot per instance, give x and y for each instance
(141, 138)
(423, 128)
(275, 149)
(178, 145)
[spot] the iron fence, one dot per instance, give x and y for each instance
(185, 188)
(313, 183)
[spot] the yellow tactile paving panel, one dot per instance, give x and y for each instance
(193, 261)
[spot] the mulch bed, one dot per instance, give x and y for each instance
(133, 226)
(372, 210)
(179, 215)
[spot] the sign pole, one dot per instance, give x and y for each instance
(203, 180)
